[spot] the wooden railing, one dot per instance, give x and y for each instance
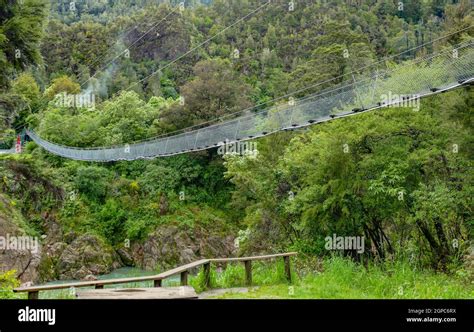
(33, 291)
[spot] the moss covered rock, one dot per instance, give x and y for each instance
(170, 246)
(87, 255)
(24, 261)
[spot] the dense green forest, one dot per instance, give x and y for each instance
(401, 179)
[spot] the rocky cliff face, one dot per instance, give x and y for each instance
(80, 256)
(54, 256)
(32, 202)
(87, 255)
(84, 256)
(170, 246)
(24, 261)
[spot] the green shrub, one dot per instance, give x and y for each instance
(8, 282)
(93, 181)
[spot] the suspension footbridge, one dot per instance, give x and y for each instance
(369, 90)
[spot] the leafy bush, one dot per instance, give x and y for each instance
(93, 181)
(111, 219)
(8, 282)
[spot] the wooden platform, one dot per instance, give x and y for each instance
(183, 292)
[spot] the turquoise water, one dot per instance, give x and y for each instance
(124, 272)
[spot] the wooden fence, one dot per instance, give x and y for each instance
(183, 271)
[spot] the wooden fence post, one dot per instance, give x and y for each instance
(207, 274)
(286, 259)
(157, 283)
(184, 278)
(99, 286)
(248, 272)
(33, 295)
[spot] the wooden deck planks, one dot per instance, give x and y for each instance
(184, 292)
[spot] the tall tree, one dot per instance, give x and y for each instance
(215, 91)
(21, 29)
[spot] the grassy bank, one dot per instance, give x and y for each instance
(343, 279)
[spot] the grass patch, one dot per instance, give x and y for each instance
(344, 279)
(233, 275)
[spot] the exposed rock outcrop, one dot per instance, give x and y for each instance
(72, 256)
(24, 260)
(170, 246)
(87, 255)
(126, 256)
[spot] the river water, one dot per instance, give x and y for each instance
(124, 272)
